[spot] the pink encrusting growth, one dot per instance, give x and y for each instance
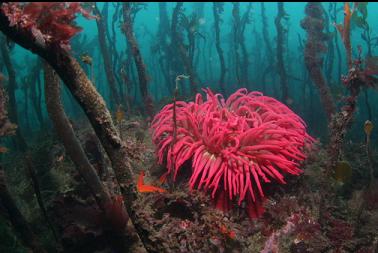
(235, 145)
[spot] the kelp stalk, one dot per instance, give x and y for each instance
(88, 98)
(37, 190)
(315, 47)
(140, 66)
(74, 148)
(8, 207)
(66, 134)
(178, 46)
(281, 33)
(12, 86)
(102, 28)
(17, 219)
(269, 51)
(217, 10)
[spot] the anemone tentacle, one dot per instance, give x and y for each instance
(236, 145)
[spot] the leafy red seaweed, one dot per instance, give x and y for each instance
(49, 22)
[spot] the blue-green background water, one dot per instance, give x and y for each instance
(206, 58)
(55, 170)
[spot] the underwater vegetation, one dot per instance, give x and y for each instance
(188, 127)
(50, 23)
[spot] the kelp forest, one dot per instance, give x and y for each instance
(188, 127)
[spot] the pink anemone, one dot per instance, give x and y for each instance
(235, 145)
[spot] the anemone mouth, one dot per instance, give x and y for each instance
(235, 145)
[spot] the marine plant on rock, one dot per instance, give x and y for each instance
(50, 22)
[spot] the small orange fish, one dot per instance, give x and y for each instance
(3, 150)
(230, 233)
(141, 187)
